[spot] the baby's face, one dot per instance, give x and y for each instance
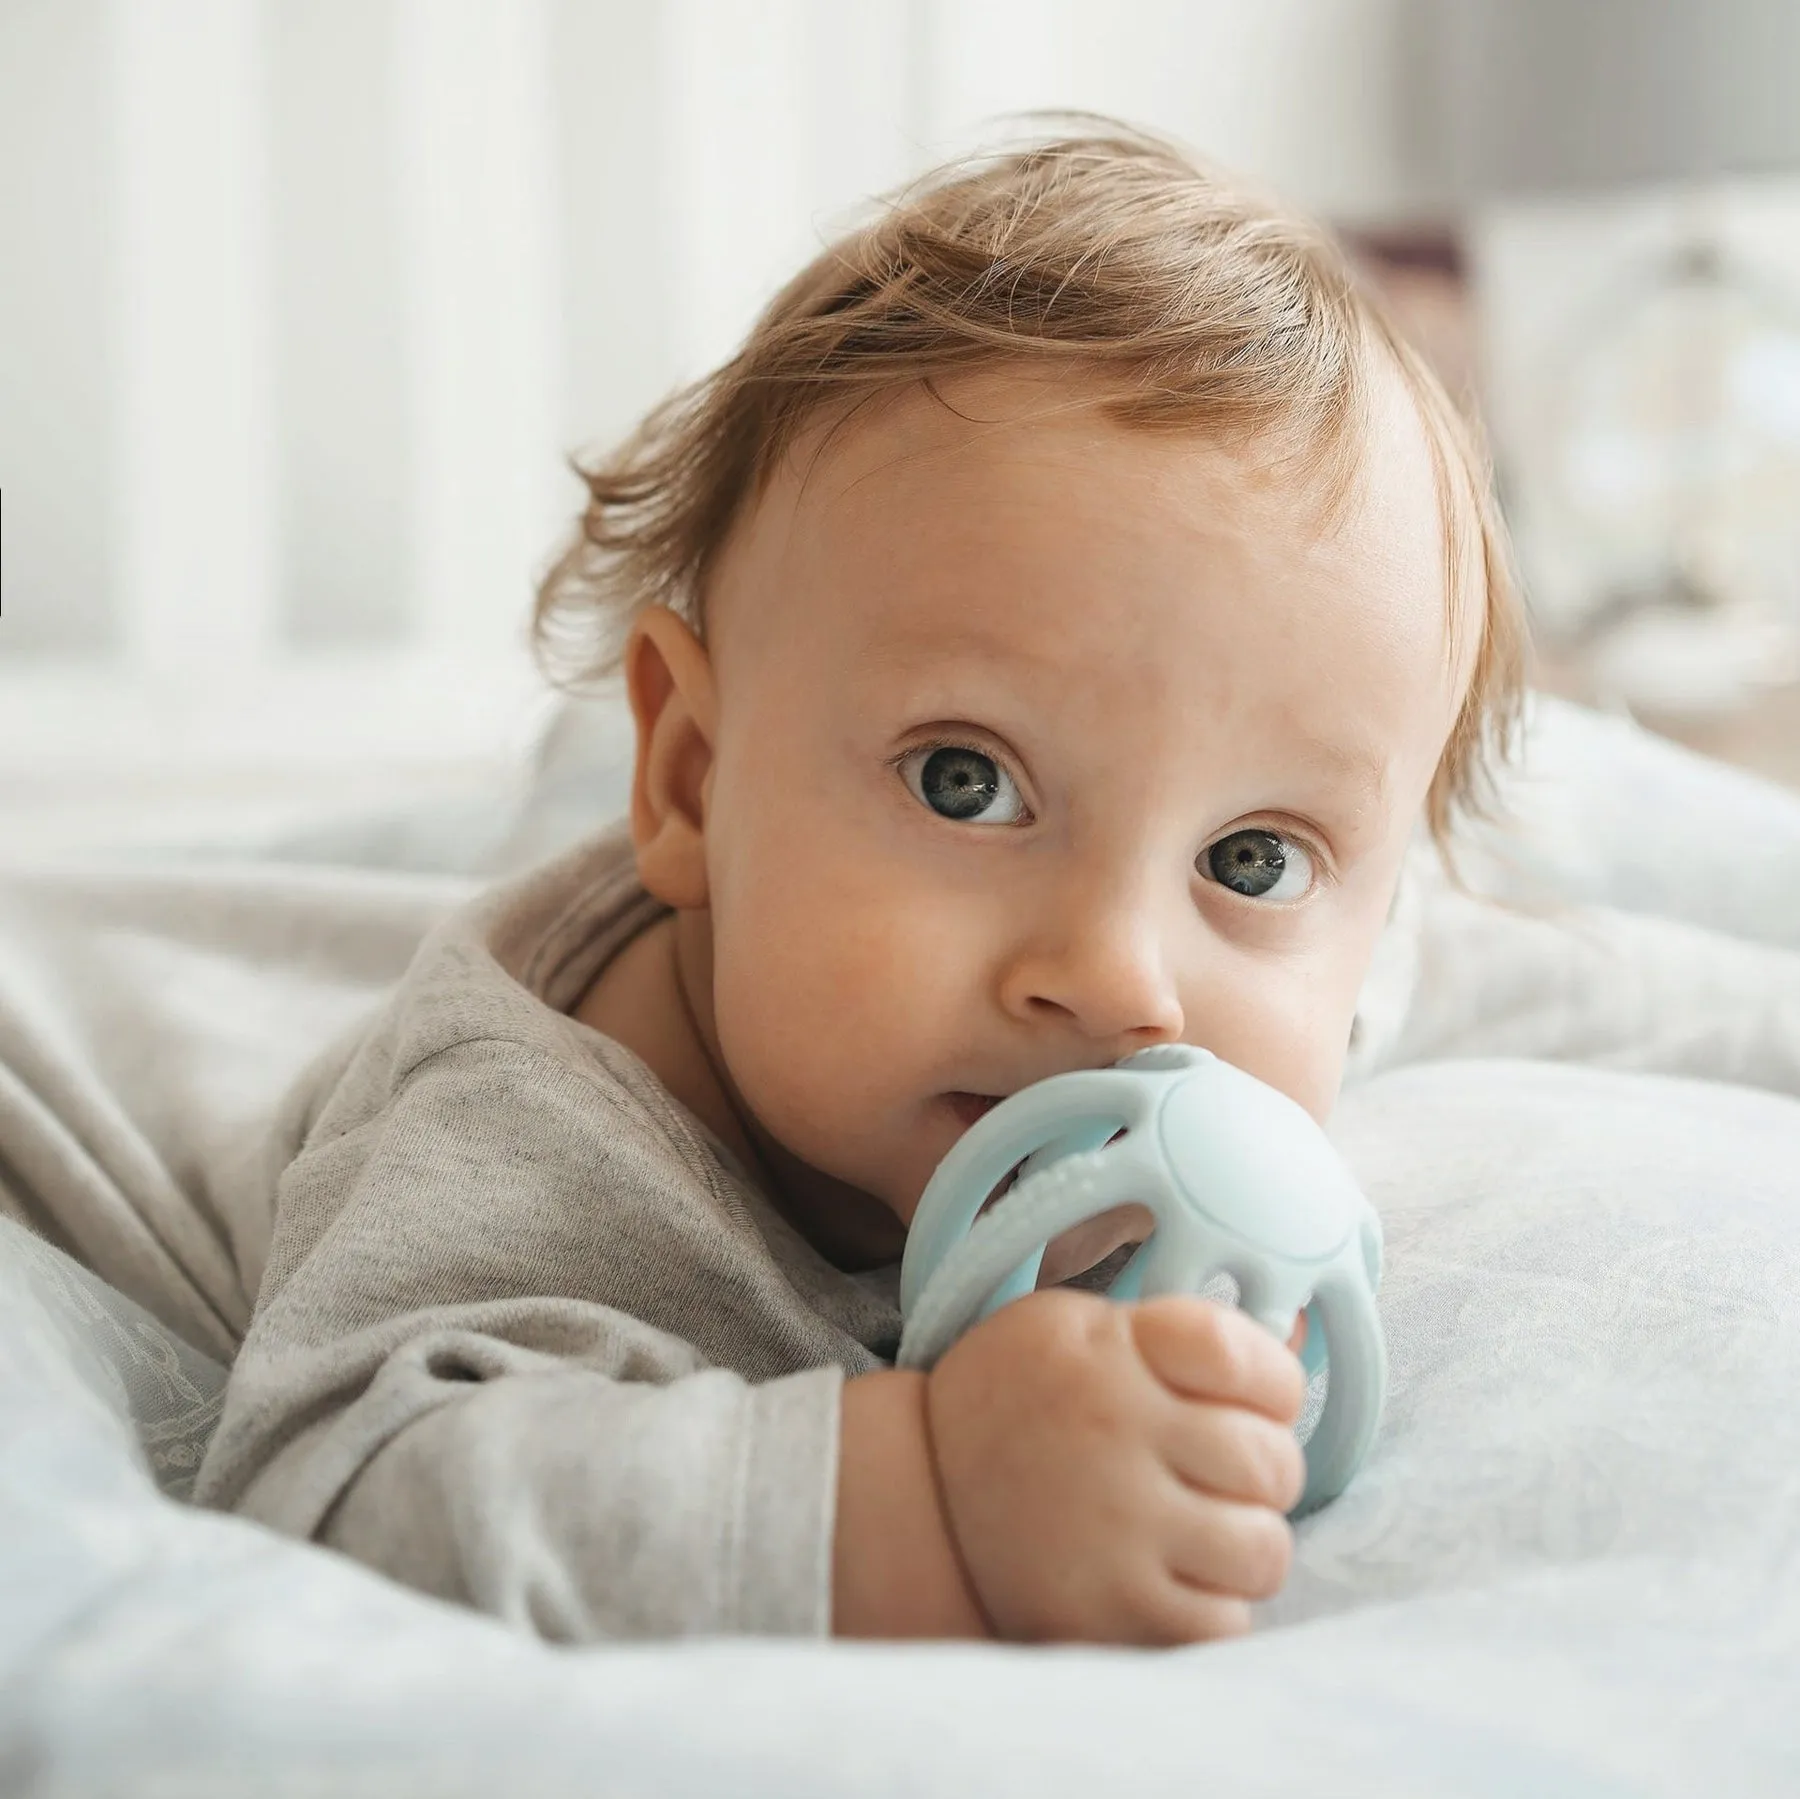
(1040, 740)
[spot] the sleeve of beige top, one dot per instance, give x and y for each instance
(581, 1507)
(468, 1369)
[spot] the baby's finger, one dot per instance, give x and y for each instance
(1203, 1350)
(1240, 1550)
(1235, 1453)
(1179, 1612)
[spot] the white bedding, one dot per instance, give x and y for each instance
(1571, 1566)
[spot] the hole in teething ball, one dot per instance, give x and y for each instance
(1223, 1288)
(1102, 1242)
(1002, 1188)
(1010, 1179)
(1312, 1408)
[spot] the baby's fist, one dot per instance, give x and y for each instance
(1118, 1473)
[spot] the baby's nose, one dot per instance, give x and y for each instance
(1102, 969)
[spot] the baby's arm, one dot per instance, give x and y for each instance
(895, 1571)
(485, 1360)
(1073, 1470)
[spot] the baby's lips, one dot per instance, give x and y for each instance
(970, 1108)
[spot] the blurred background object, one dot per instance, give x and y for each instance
(1628, 171)
(304, 302)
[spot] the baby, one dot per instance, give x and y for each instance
(1043, 638)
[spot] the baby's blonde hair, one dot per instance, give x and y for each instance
(1187, 300)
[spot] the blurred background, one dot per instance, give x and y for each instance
(303, 304)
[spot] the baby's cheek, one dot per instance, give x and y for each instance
(810, 1023)
(1289, 1028)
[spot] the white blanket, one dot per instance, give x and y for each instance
(152, 1015)
(1572, 1564)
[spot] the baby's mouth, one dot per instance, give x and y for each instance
(971, 1107)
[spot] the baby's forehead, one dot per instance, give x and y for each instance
(1016, 519)
(944, 447)
(1286, 453)
(998, 455)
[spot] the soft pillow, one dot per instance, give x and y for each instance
(1600, 810)
(1571, 1565)
(1589, 1303)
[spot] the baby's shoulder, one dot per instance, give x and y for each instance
(467, 1060)
(499, 1165)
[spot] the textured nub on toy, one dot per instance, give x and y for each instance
(1240, 1181)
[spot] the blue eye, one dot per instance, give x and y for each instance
(1259, 865)
(964, 785)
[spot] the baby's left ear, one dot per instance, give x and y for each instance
(669, 678)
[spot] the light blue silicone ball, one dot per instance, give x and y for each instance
(1240, 1180)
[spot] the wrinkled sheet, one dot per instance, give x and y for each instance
(1571, 1566)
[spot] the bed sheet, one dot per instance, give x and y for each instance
(1572, 1564)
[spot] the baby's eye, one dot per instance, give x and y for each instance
(964, 785)
(1259, 865)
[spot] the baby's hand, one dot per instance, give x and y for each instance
(1118, 1473)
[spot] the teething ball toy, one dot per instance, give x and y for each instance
(1240, 1181)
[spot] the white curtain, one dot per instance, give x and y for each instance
(303, 303)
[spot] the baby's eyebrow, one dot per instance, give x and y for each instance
(965, 641)
(1360, 765)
